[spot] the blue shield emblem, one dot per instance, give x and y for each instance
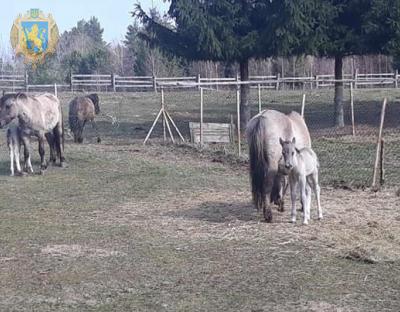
(35, 35)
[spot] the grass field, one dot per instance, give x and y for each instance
(128, 227)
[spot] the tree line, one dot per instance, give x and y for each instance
(227, 37)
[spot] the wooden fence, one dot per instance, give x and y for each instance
(115, 83)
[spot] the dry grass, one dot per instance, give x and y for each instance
(171, 228)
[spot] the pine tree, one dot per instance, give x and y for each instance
(238, 30)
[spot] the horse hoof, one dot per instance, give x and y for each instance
(11, 174)
(268, 216)
(63, 164)
(98, 140)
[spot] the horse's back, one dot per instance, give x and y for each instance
(300, 130)
(44, 110)
(82, 108)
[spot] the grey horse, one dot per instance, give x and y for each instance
(263, 133)
(38, 115)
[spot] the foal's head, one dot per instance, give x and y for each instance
(289, 153)
(8, 107)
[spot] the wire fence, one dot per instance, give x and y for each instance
(347, 160)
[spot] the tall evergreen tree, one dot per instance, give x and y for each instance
(238, 30)
(358, 27)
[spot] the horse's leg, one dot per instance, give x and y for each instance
(27, 155)
(317, 192)
(17, 158)
(43, 165)
(303, 196)
(293, 190)
(308, 203)
(51, 142)
(80, 131)
(271, 173)
(58, 139)
(96, 129)
(11, 149)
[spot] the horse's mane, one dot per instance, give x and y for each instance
(95, 100)
(8, 96)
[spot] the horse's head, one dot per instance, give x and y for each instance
(95, 99)
(289, 153)
(9, 107)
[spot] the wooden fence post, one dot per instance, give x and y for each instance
(155, 83)
(201, 116)
(238, 118)
(382, 162)
(113, 82)
(198, 80)
(352, 109)
(259, 98)
(378, 145)
(355, 78)
(303, 104)
(277, 81)
(396, 77)
(55, 90)
(26, 81)
(71, 82)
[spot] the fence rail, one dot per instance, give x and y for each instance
(115, 83)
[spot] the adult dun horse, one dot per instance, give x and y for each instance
(38, 115)
(81, 110)
(263, 133)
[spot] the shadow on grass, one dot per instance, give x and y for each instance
(220, 212)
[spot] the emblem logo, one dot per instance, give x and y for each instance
(34, 36)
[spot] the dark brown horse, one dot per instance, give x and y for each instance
(38, 115)
(81, 110)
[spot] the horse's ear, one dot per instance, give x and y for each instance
(297, 150)
(281, 141)
(294, 140)
(21, 95)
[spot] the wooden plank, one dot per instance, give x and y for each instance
(211, 132)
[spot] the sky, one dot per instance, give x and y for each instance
(114, 15)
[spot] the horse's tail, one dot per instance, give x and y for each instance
(256, 136)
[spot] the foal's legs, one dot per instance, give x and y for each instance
(317, 192)
(293, 190)
(27, 155)
(11, 149)
(303, 197)
(308, 203)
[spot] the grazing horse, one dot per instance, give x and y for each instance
(81, 110)
(303, 168)
(263, 133)
(14, 142)
(38, 115)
